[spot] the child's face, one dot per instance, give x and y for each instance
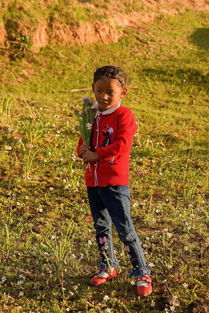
(108, 92)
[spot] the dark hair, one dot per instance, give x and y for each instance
(112, 72)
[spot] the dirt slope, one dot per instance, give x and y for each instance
(51, 31)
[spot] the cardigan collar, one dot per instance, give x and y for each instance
(108, 111)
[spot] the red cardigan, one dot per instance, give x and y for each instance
(113, 133)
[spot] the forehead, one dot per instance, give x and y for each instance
(107, 83)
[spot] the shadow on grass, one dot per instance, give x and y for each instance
(180, 76)
(200, 38)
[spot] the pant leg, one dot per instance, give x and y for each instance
(117, 201)
(103, 227)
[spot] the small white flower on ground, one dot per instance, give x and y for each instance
(135, 204)
(106, 298)
(108, 310)
(22, 276)
(152, 304)
(20, 282)
(185, 285)
(8, 148)
(151, 264)
(73, 157)
(21, 294)
(133, 282)
(3, 279)
(51, 188)
(186, 248)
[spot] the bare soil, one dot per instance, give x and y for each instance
(105, 30)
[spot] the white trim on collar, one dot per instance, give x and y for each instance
(108, 111)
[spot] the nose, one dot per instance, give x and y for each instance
(105, 96)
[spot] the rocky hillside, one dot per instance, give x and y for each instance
(34, 24)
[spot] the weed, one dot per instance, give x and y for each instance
(47, 238)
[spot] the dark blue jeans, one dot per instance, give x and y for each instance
(112, 205)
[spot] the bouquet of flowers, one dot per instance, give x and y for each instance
(86, 119)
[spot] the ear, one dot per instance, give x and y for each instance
(124, 92)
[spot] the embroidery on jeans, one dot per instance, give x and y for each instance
(103, 243)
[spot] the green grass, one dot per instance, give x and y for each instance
(47, 241)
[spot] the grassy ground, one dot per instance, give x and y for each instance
(46, 233)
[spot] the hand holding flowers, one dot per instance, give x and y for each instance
(86, 119)
(90, 156)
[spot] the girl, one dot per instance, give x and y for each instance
(107, 177)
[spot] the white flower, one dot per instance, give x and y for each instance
(21, 293)
(67, 186)
(106, 298)
(8, 148)
(9, 128)
(89, 126)
(3, 279)
(73, 157)
(185, 285)
(22, 276)
(135, 204)
(151, 264)
(152, 304)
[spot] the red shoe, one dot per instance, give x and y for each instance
(144, 286)
(103, 277)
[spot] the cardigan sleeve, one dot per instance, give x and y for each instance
(126, 128)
